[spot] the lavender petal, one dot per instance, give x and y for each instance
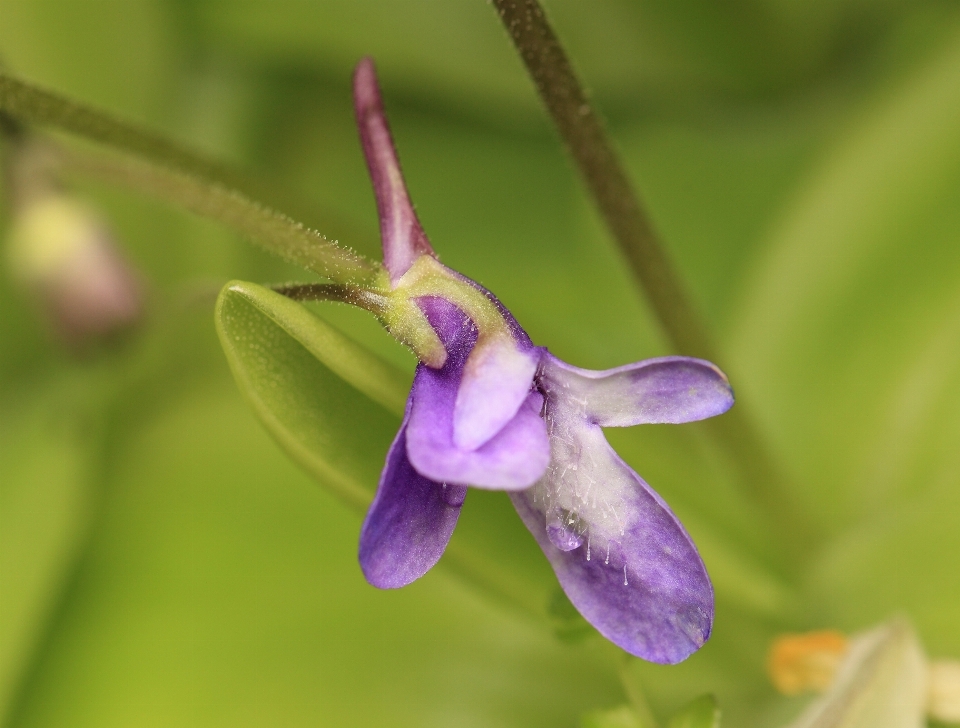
(400, 231)
(409, 522)
(670, 389)
(515, 457)
(496, 380)
(512, 459)
(621, 555)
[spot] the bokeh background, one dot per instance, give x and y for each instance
(163, 563)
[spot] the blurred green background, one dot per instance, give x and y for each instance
(163, 563)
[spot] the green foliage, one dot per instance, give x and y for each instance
(701, 713)
(619, 717)
(296, 371)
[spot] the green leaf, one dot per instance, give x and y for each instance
(882, 683)
(330, 404)
(859, 272)
(701, 713)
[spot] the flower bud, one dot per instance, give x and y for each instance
(943, 691)
(802, 663)
(61, 251)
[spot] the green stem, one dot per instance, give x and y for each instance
(358, 296)
(165, 169)
(605, 177)
(607, 181)
(634, 691)
(272, 230)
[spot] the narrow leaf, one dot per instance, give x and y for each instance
(331, 405)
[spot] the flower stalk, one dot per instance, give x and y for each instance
(606, 179)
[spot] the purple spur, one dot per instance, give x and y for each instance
(489, 409)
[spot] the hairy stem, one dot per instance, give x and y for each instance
(272, 230)
(607, 181)
(162, 168)
(606, 178)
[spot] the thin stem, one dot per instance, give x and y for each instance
(181, 176)
(605, 176)
(358, 296)
(634, 690)
(607, 181)
(272, 230)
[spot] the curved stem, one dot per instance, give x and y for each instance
(166, 170)
(272, 230)
(607, 181)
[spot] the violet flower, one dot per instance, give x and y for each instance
(489, 409)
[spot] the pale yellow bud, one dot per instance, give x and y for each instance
(943, 690)
(60, 250)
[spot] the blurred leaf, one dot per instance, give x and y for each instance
(329, 403)
(629, 53)
(619, 717)
(861, 266)
(701, 713)
(45, 508)
(223, 590)
(568, 624)
(882, 683)
(62, 44)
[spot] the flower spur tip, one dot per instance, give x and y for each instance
(401, 234)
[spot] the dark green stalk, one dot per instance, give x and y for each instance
(606, 179)
(45, 108)
(357, 296)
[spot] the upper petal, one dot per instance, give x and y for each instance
(497, 364)
(517, 452)
(621, 555)
(512, 459)
(670, 389)
(496, 380)
(402, 236)
(409, 522)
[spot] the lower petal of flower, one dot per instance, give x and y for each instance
(620, 554)
(409, 522)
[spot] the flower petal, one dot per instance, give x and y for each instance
(621, 555)
(409, 522)
(403, 238)
(513, 459)
(670, 389)
(496, 380)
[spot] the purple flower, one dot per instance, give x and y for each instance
(491, 410)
